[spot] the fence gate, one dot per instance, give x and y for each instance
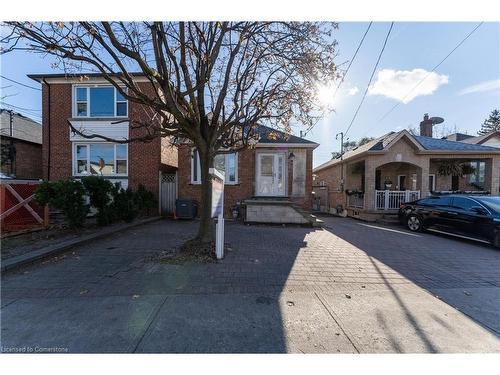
(168, 193)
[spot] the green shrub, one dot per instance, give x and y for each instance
(67, 196)
(124, 205)
(99, 191)
(112, 202)
(144, 199)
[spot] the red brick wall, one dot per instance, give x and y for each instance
(144, 158)
(245, 188)
(60, 145)
(232, 193)
(28, 159)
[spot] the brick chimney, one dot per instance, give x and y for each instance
(426, 126)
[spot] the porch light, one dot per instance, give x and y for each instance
(291, 156)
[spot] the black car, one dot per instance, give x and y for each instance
(476, 217)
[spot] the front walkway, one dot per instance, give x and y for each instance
(350, 287)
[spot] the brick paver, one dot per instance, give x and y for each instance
(346, 254)
(345, 258)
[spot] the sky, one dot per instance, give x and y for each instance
(463, 90)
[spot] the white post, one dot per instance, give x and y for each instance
(386, 199)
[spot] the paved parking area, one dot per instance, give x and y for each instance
(349, 287)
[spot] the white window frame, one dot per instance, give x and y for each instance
(197, 180)
(88, 144)
(88, 87)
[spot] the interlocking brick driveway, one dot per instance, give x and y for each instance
(350, 287)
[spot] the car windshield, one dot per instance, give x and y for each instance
(492, 203)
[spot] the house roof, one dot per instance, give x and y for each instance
(273, 136)
(41, 77)
(23, 127)
(482, 138)
(458, 137)
(424, 143)
(442, 144)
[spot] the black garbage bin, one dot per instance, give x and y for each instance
(186, 208)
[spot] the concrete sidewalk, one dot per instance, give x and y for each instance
(368, 322)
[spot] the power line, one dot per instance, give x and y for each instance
(352, 59)
(19, 83)
(21, 108)
(348, 66)
(429, 73)
(371, 77)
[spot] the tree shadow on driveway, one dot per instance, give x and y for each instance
(104, 297)
(463, 274)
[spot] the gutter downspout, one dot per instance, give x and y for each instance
(48, 128)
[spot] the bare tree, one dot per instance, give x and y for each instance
(213, 81)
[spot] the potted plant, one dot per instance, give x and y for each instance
(387, 184)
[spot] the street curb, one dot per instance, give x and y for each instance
(36, 255)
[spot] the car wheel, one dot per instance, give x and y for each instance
(414, 223)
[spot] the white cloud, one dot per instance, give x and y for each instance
(396, 84)
(481, 87)
(353, 91)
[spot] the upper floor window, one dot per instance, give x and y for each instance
(228, 163)
(99, 101)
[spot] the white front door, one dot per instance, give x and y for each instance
(271, 174)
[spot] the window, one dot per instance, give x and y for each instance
(435, 201)
(463, 203)
(224, 162)
(477, 177)
(104, 159)
(99, 101)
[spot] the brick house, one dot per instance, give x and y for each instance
(21, 146)
(400, 166)
(93, 106)
(273, 180)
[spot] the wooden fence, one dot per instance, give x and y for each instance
(18, 210)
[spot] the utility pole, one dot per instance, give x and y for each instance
(341, 159)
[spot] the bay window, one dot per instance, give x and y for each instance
(227, 163)
(104, 159)
(99, 101)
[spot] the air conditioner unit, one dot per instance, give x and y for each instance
(186, 208)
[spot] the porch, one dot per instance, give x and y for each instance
(372, 187)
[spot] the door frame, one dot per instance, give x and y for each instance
(399, 182)
(285, 172)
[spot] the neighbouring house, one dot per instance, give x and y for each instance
(21, 146)
(491, 139)
(398, 167)
(93, 106)
(271, 182)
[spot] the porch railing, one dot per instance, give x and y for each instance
(355, 201)
(391, 199)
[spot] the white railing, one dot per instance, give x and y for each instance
(355, 201)
(391, 199)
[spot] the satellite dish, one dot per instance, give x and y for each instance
(436, 120)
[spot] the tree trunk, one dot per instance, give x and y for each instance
(205, 232)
